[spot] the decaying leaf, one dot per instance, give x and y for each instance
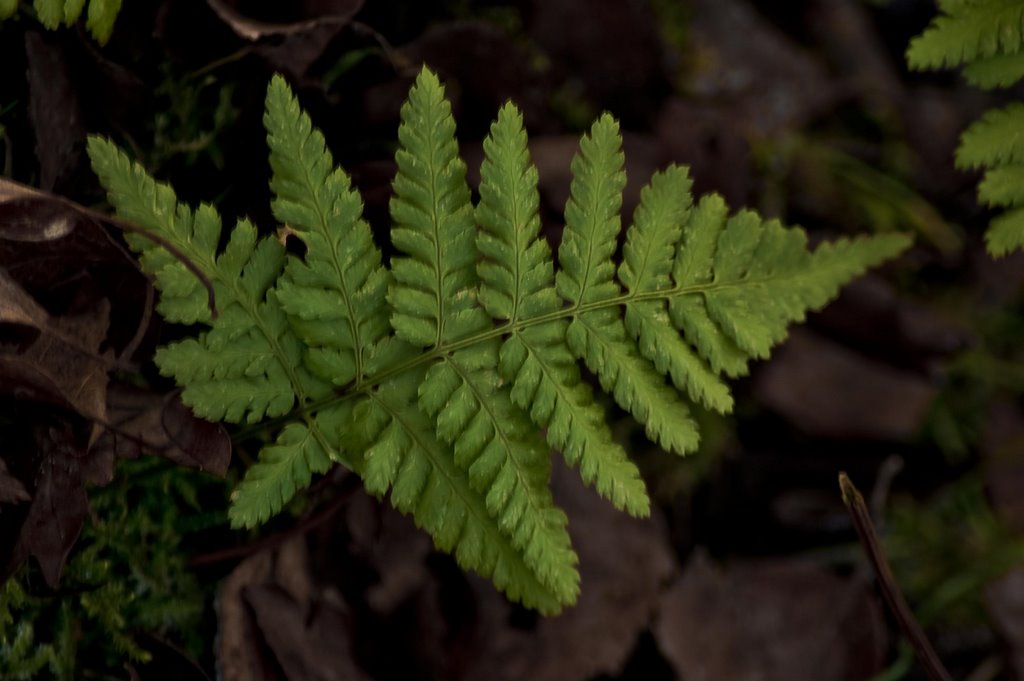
(59, 503)
(64, 364)
(273, 617)
(769, 621)
(294, 46)
(141, 421)
(326, 13)
(30, 215)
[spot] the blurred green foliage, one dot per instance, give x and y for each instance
(128, 575)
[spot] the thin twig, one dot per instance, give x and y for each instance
(861, 518)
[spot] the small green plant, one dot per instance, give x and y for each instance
(99, 16)
(440, 376)
(127, 576)
(986, 37)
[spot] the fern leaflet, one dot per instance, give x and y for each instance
(99, 17)
(429, 378)
(986, 37)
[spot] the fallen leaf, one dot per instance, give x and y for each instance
(63, 365)
(392, 546)
(240, 657)
(30, 215)
(59, 503)
(327, 13)
(141, 421)
(273, 617)
(829, 391)
(314, 646)
(298, 44)
(780, 620)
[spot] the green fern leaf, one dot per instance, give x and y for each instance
(284, 467)
(49, 12)
(1003, 186)
(8, 8)
(969, 31)
(433, 296)
(518, 284)
(647, 264)
(403, 454)
(997, 138)
(987, 38)
(506, 461)
(72, 10)
(342, 264)
(101, 18)
(756, 278)
(1006, 233)
(429, 379)
(995, 72)
(251, 321)
(516, 272)
(996, 143)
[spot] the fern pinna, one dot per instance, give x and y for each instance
(986, 37)
(100, 15)
(447, 376)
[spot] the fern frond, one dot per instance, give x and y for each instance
(342, 264)
(506, 460)
(100, 16)
(592, 216)
(996, 143)
(996, 139)
(1000, 71)
(756, 278)
(49, 12)
(433, 297)
(516, 271)
(647, 264)
(429, 379)
(218, 383)
(518, 284)
(403, 454)
(987, 38)
(969, 31)
(283, 468)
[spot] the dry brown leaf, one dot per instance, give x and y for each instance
(63, 364)
(830, 391)
(30, 215)
(769, 621)
(59, 504)
(330, 13)
(141, 421)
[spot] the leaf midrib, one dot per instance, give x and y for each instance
(371, 382)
